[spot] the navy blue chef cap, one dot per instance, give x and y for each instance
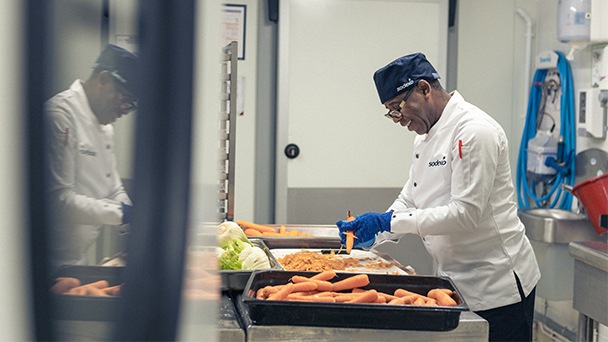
(122, 65)
(402, 74)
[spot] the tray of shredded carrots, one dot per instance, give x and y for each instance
(353, 300)
(323, 259)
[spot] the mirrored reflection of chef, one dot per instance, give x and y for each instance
(458, 199)
(85, 189)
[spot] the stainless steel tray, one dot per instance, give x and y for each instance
(370, 262)
(324, 236)
(237, 279)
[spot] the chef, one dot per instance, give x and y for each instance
(85, 189)
(458, 198)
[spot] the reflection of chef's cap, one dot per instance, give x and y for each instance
(122, 65)
(402, 74)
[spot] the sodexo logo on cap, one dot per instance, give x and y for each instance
(402, 74)
(405, 85)
(123, 66)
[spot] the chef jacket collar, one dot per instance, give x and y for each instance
(444, 119)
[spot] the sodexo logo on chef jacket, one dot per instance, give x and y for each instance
(438, 162)
(405, 85)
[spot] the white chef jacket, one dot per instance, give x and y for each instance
(84, 185)
(459, 199)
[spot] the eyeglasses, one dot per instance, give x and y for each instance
(396, 113)
(127, 101)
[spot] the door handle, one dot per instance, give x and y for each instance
(292, 151)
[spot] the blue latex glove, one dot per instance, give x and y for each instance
(366, 227)
(126, 213)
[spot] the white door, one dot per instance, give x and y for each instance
(327, 101)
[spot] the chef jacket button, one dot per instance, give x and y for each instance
(417, 155)
(394, 216)
(411, 214)
(415, 184)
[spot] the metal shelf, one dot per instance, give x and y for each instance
(227, 131)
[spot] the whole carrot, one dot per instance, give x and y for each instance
(419, 301)
(349, 283)
(366, 297)
(252, 232)
(313, 298)
(64, 284)
(441, 297)
(305, 286)
(325, 275)
(259, 227)
(321, 284)
(350, 235)
(282, 293)
(403, 293)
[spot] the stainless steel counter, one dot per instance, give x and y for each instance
(471, 328)
(590, 284)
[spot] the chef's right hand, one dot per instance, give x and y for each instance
(366, 227)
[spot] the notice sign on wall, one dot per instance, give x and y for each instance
(234, 26)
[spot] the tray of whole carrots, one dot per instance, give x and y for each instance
(293, 236)
(353, 300)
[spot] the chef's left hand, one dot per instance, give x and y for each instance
(366, 227)
(126, 213)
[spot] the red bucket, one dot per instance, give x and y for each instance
(593, 194)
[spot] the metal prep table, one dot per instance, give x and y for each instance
(590, 285)
(471, 328)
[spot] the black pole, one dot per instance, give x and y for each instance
(150, 302)
(37, 40)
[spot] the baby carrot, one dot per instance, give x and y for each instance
(282, 230)
(359, 280)
(259, 227)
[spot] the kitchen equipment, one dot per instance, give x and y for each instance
(355, 315)
(593, 194)
(319, 236)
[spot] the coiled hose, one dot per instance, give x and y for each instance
(527, 188)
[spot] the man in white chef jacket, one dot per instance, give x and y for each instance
(85, 189)
(458, 198)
